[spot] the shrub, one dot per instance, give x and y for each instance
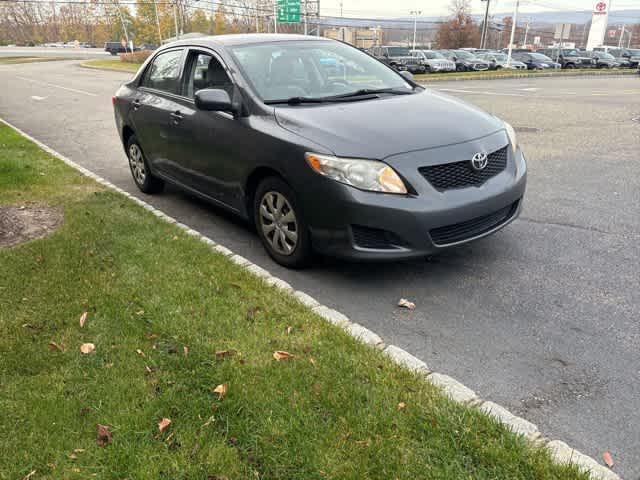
(135, 57)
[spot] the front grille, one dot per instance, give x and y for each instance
(459, 232)
(375, 238)
(448, 176)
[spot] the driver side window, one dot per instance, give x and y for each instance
(206, 71)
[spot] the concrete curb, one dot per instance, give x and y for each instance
(457, 392)
(93, 67)
(620, 73)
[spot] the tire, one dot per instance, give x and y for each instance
(145, 180)
(288, 243)
(569, 66)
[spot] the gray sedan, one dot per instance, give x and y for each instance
(320, 146)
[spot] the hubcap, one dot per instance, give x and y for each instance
(278, 223)
(136, 161)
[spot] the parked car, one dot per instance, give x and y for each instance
(399, 58)
(498, 61)
(626, 57)
(568, 57)
(536, 61)
(115, 48)
(465, 61)
(434, 61)
(602, 59)
(367, 166)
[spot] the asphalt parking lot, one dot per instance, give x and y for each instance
(542, 317)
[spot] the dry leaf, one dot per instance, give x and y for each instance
(185, 349)
(78, 450)
(252, 312)
(280, 355)
(73, 456)
(54, 346)
(87, 348)
(402, 406)
(406, 304)
(140, 312)
(83, 319)
(29, 475)
(164, 424)
(312, 360)
(221, 390)
(289, 330)
(608, 459)
(222, 354)
(104, 436)
(140, 352)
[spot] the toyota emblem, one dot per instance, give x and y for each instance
(479, 161)
(601, 6)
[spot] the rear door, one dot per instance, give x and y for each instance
(153, 111)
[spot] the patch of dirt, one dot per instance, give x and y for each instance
(21, 224)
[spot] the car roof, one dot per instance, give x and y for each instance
(245, 39)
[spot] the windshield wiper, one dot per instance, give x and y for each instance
(371, 91)
(295, 100)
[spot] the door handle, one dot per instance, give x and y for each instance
(177, 117)
(136, 104)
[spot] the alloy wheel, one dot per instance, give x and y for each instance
(136, 161)
(278, 223)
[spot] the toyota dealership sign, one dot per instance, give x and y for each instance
(599, 23)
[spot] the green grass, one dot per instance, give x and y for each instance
(14, 60)
(112, 64)
(496, 74)
(329, 413)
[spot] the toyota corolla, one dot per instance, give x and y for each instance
(320, 146)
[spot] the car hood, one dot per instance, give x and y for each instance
(389, 125)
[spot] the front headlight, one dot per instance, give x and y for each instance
(511, 133)
(364, 174)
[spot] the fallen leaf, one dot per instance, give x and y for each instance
(363, 443)
(252, 312)
(54, 346)
(608, 459)
(402, 406)
(83, 319)
(185, 349)
(404, 303)
(29, 475)
(280, 355)
(222, 354)
(221, 390)
(73, 456)
(87, 348)
(289, 330)
(312, 360)
(140, 352)
(78, 450)
(104, 436)
(164, 424)
(140, 312)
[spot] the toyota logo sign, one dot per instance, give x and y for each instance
(480, 161)
(601, 6)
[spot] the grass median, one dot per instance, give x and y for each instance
(16, 60)
(171, 321)
(112, 64)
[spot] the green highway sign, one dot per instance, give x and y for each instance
(288, 11)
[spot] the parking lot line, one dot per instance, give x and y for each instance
(38, 82)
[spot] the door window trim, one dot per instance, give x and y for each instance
(180, 73)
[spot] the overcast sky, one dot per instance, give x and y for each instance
(397, 8)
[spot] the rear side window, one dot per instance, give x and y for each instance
(164, 72)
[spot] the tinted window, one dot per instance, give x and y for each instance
(164, 73)
(205, 71)
(398, 51)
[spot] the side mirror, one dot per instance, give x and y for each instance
(213, 99)
(407, 75)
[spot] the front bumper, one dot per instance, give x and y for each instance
(353, 224)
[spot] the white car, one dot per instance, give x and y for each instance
(434, 61)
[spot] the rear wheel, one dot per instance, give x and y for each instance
(145, 180)
(281, 226)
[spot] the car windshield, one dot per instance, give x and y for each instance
(309, 70)
(634, 52)
(501, 57)
(432, 55)
(540, 57)
(398, 52)
(464, 55)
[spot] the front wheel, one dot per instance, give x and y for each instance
(280, 224)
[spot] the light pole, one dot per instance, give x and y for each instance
(621, 37)
(155, 7)
(513, 32)
(485, 26)
(175, 18)
(415, 14)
